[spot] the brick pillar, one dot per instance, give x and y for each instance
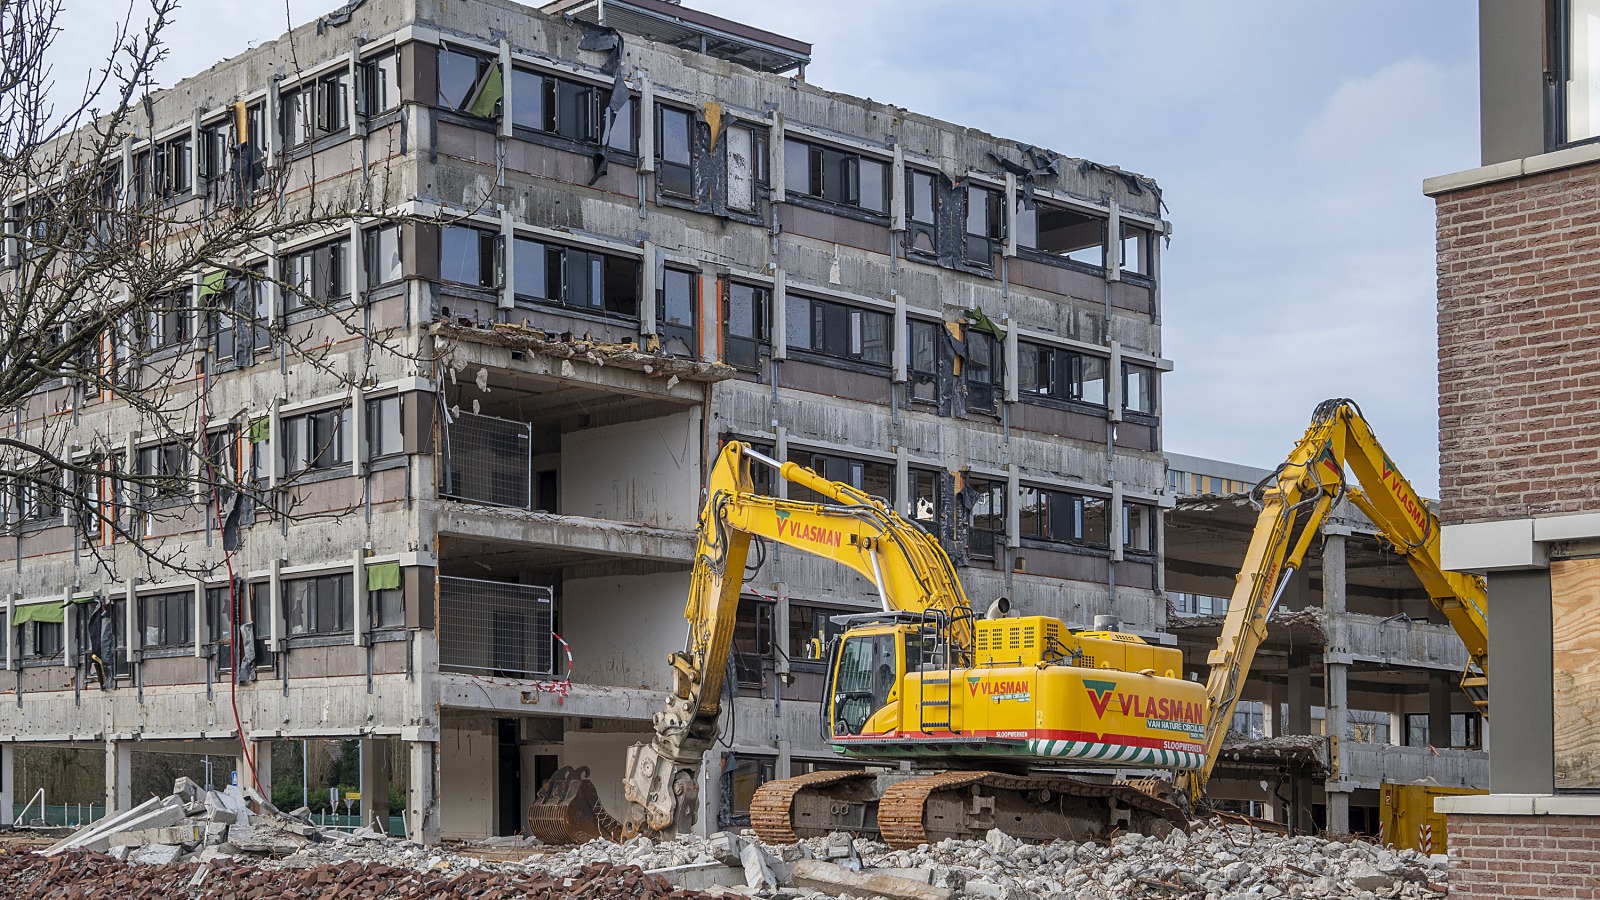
(1495, 856)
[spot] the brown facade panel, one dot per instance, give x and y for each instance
(821, 379)
(838, 229)
(1518, 435)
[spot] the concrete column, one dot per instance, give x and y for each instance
(1299, 693)
(422, 795)
(1336, 702)
(8, 784)
(262, 751)
(1520, 694)
(119, 776)
(1440, 692)
(375, 781)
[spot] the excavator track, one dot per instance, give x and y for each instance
(825, 802)
(967, 805)
(964, 805)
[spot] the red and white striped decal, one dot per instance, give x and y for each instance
(1425, 838)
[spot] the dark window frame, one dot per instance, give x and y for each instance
(171, 609)
(317, 277)
(825, 316)
(1030, 236)
(984, 383)
(759, 334)
(1064, 517)
(670, 326)
(986, 542)
(318, 605)
(611, 281)
(1060, 373)
(487, 246)
(834, 175)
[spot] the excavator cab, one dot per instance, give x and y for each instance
(864, 677)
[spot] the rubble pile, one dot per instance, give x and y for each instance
(28, 877)
(194, 824)
(1216, 861)
(236, 844)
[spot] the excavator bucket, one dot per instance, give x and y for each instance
(567, 810)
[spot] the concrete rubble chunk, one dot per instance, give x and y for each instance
(157, 854)
(757, 868)
(839, 881)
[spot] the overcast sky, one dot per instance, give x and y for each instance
(1290, 140)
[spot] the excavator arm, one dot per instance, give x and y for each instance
(906, 565)
(1295, 500)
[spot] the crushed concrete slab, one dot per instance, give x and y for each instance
(838, 881)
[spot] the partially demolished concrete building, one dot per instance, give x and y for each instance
(1355, 640)
(623, 243)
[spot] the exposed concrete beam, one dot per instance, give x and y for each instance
(538, 698)
(600, 537)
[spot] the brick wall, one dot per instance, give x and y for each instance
(1519, 347)
(1524, 856)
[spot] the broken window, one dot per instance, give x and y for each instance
(753, 641)
(380, 84)
(983, 225)
(747, 314)
(922, 360)
(467, 256)
(875, 478)
(675, 311)
(465, 80)
(316, 277)
(167, 321)
(1135, 250)
(1139, 527)
(582, 279)
(316, 440)
(1062, 374)
(318, 605)
(986, 520)
(40, 638)
(675, 168)
(565, 108)
(1139, 388)
(162, 472)
(982, 371)
(1061, 232)
(385, 437)
(317, 108)
(383, 255)
(38, 495)
(166, 620)
(837, 176)
(922, 198)
(837, 330)
(1063, 517)
(260, 609)
(171, 167)
(746, 149)
(925, 507)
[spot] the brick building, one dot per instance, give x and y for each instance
(613, 247)
(1519, 440)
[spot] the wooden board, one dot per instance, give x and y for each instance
(1575, 634)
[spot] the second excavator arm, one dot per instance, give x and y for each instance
(904, 563)
(1294, 502)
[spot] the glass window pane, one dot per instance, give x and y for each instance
(459, 249)
(1093, 386)
(796, 167)
(875, 338)
(529, 262)
(922, 198)
(677, 298)
(741, 169)
(458, 74)
(527, 100)
(675, 136)
(873, 175)
(977, 211)
(797, 322)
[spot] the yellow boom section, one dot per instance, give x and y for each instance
(1294, 503)
(906, 564)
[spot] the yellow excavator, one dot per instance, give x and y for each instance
(988, 700)
(1295, 501)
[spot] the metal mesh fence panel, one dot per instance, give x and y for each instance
(488, 460)
(495, 627)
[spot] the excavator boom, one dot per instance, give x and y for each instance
(905, 564)
(1294, 501)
